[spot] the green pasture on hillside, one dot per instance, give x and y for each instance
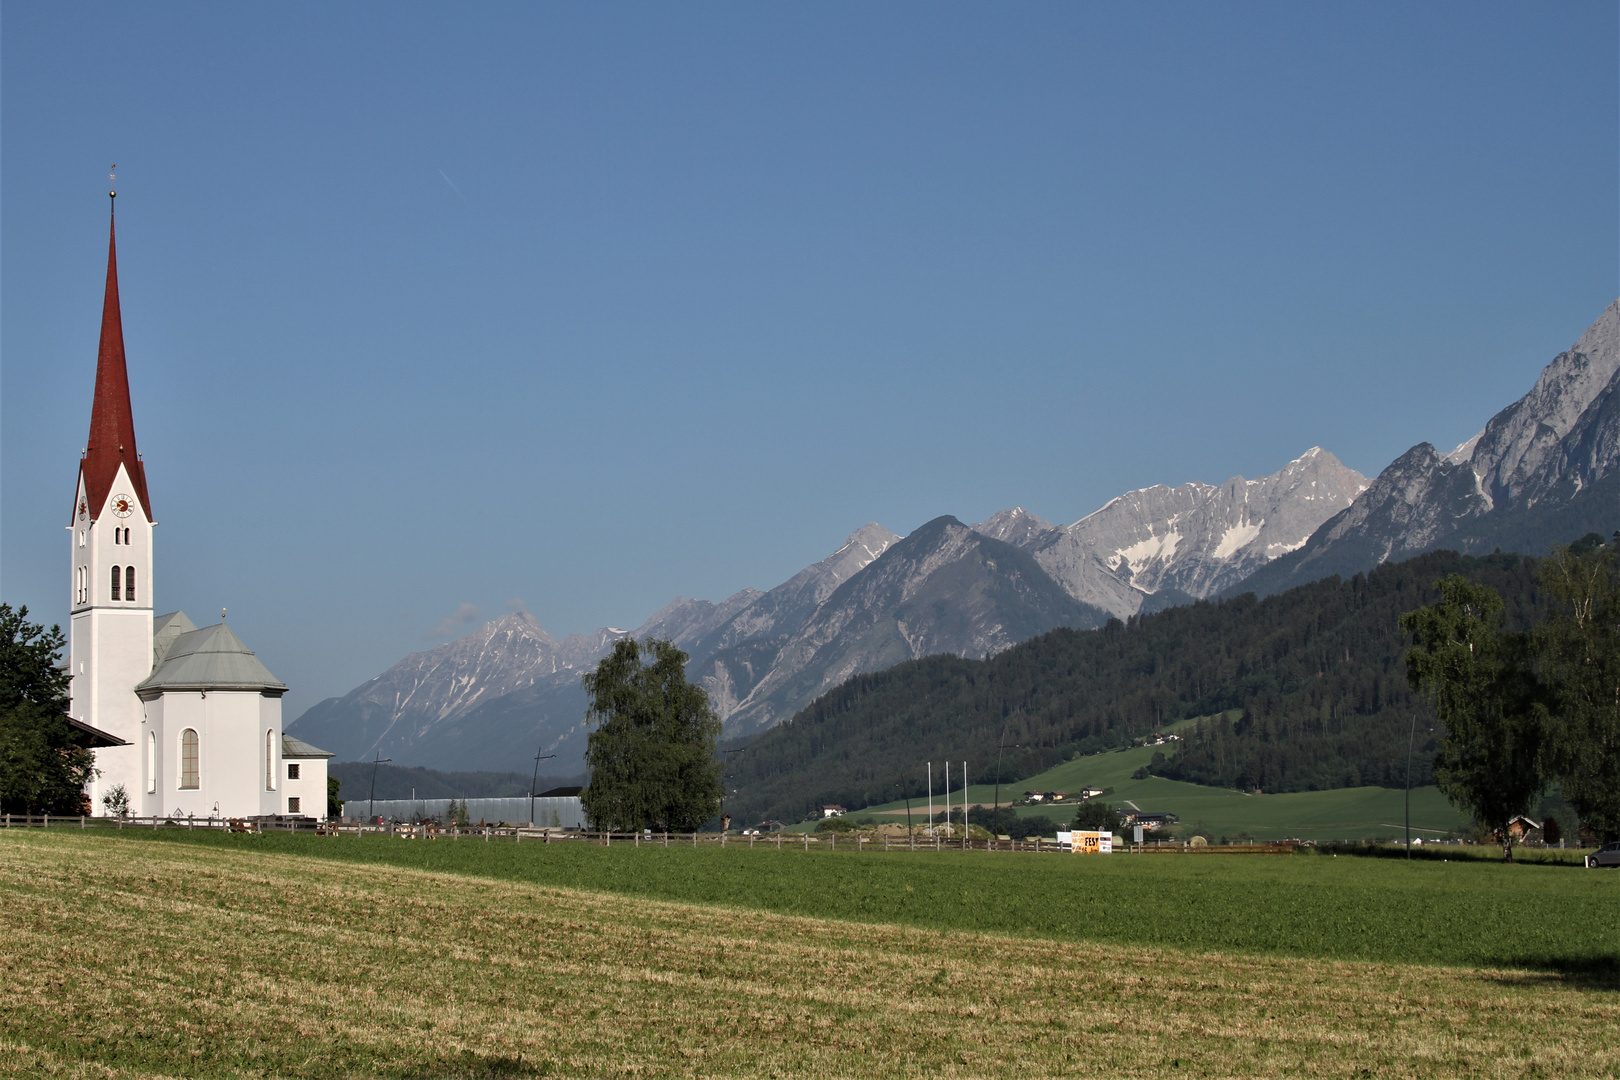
(1303, 904)
(1342, 814)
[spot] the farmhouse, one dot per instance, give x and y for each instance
(832, 811)
(1150, 821)
(193, 718)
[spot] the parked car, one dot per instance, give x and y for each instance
(1607, 855)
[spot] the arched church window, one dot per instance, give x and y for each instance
(270, 760)
(151, 761)
(188, 758)
(118, 536)
(129, 583)
(118, 582)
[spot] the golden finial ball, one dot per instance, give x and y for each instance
(112, 194)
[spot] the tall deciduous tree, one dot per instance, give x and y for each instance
(652, 754)
(1579, 652)
(43, 764)
(1486, 694)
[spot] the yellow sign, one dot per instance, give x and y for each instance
(1088, 843)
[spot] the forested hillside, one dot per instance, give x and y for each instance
(1316, 675)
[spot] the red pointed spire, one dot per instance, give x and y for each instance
(112, 422)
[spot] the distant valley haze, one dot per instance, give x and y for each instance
(864, 331)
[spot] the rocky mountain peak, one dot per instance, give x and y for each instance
(1185, 542)
(1544, 470)
(1016, 526)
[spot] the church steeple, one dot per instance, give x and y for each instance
(112, 422)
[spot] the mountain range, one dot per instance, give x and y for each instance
(1542, 471)
(497, 696)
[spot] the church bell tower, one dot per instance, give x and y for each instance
(110, 647)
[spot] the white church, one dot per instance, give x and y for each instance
(186, 719)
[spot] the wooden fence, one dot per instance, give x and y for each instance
(488, 833)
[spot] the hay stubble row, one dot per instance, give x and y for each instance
(170, 960)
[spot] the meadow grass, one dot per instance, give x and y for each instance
(137, 959)
(1341, 814)
(1308, 905)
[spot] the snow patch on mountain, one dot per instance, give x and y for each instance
(1192, 540)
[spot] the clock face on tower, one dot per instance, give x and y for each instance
(122, 505)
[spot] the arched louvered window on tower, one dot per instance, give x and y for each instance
(151, 761)
(118, 582)
(129, 583)
(189, 772)
(270, 760)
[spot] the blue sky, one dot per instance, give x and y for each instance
(439, 307)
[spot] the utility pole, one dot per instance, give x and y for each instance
(1410, 739)
(1000, 745)
(534, 782)
(725, 818)
(371, 803)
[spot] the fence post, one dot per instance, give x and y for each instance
(835, 841)
(47, 820)
(81, 821)
(694, 838)
(807, 841)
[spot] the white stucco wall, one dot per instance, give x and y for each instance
(110, 641)
(309, 789)
(231, 727)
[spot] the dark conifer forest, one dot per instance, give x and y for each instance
(1304, 690)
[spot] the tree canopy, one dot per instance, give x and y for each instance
(1483, 691)
(1524, 710)
(44, 766)
(652, 755)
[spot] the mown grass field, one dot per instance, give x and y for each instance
(1343, 814)
(132, 957)
(1303, 904)
(313, 956)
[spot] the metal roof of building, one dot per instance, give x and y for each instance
(212, 658)
(165, 628)
(291, 747)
